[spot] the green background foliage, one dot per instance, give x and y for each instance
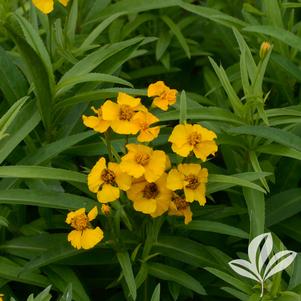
(53, 68)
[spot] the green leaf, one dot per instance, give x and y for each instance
(156, 293)
(98, 30)
(256, 209)
(19, 129)
(169, 273)
(215, 227)
(279, 150)
(280, 34)
(126, 266)
(38, 75)
(273, 134)
(247, 289)
(223, 78)
(3, 222)
(233, 180)
(67, 296)
(12, 84)
(177, 32)
(188, 251)
(210, 113)
(40, 172)
(61, 276)
(183, 108)
(67, 84)
(282, 206)
(162, 43)
(89, 96)
(72, 21)
(93, 60)
(213, 15)
(50, 199)
(34, 40)
(12, 271)
(7, 119)
(133, 7)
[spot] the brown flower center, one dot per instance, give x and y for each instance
(193, 182)
(108, 176)
(180, 203)
(142, 158)
(80, 222)
(150, 191)
(126, 112)
(194, 138)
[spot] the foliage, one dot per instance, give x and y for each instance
(54, 67)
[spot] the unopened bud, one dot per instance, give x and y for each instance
(264, 49)
(105, 209)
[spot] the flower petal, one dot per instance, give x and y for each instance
(45, 6)
(93, 213)
(94, 177)
(91, 237)
(64, 2)
(156, 89)
(204, 149)
(75, 239)
(174, 180)
(125, 99)
(145, 206)
(110, 110)
(108, 193)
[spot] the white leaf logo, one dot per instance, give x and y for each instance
(260, 248)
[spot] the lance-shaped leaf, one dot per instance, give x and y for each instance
(245, 269)
(285, 258)
(254, 248)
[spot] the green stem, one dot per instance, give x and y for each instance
(109, 145)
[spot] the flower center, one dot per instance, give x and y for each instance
(180, 203)
(194, 138)
(150, 191)
(193, 182)
(126, 112)
(80, 222)
(142, 158)
(108, 176)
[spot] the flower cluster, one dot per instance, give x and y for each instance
(144, 174)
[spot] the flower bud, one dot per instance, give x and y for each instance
(264, 48)
(105, 209)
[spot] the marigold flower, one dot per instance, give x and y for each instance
(187, 137)
(84, 236)
(46, 6)
(142, 160)
(143, 121)
(179, 207)
(121, 114)
(1, 297)
(150, 198)
(164, 96)
(96, 122)
(192, 178)
(107, 181)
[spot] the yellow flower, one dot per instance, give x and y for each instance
(150, 198)
(164, 96)
(187, 137)
(142, 160)
(84, 236)
(143, 121)
(121, 113)
(107, 181)
(105, 209)
(1, 297)
(46, 6)
(96, 122)
(179, 207)
(192, 178)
